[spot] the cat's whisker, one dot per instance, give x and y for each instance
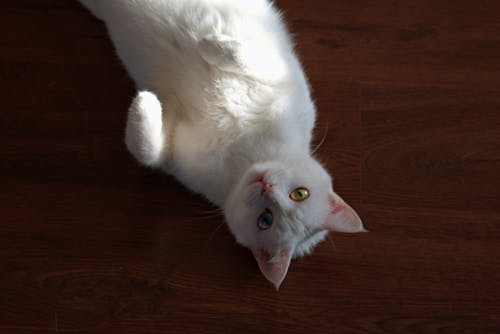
(212, 210)
(210, 216)
(332, 243)
(215, 231)
(321, 141)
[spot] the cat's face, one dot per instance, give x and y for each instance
(282, 209)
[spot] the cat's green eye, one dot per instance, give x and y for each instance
(299, 194)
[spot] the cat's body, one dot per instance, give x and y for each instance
(237, 117)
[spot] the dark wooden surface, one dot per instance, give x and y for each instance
(92, 243)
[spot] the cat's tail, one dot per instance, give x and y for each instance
(94, 6)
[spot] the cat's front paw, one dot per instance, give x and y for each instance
(148, 105)
(144, 132)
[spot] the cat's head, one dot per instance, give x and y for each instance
(282, 209)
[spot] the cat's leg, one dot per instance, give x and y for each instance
(144, 134)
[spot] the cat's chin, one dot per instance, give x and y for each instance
(306, 246)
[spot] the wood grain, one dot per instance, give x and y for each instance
(409, 95)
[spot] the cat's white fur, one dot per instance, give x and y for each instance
(237, 115)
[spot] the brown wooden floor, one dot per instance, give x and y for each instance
(92, 243)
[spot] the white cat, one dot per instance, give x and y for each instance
(237, 122)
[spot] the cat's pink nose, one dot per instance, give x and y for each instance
(266, 187)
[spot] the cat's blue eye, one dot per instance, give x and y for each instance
(265, 220)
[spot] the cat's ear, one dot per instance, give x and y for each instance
(273, 267)
(256, 60)
(342, 217)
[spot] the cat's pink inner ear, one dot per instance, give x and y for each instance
(342, 217)
(273, 267)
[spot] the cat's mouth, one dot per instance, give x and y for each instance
(261, 181)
